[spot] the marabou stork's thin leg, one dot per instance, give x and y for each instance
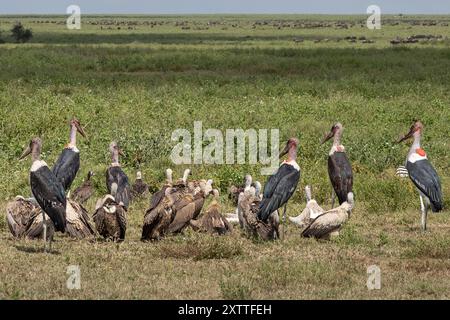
(424, 210)
(284, 221)
(333, 197)
(44, 225)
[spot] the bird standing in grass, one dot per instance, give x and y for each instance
(248, 204)
(85, 191)
(116, 180)
(212, 221)
(189, 206)
(68, 163)
(339, 167)
(159, 195)
(47, 190)
(78, 221)
(139, 188)
(281, 186)
(25, 219)
(330, 222)
(311, 211)
(423, 174)
(110, 219)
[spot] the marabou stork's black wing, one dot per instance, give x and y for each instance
(50, 195)
(426, 179)
(341, 175)
(122, 219)
(274, 179)
(286, 180)
(66, 167)
(124, 190)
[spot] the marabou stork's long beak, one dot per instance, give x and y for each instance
(407, 136)
(121, 153)
(285, 150)
(327, 137)
(25, 153)
(80, 129)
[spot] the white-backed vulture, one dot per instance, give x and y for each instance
(212, 220)
(330, 222)
(110, 218)
(24, 218)
(311, 211)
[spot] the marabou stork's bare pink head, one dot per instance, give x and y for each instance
(417, 127)
(35, 144)
(114, 148)
(292, 143)
(336, 128)
(75, 122)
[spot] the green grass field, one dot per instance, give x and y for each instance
(155, 74)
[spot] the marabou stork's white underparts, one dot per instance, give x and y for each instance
(423, 174)
(68, 163)
(116, 180)
(330, 222)
(47, 189)
(311, 211)
(339, 167)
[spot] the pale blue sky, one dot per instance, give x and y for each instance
(224, 6)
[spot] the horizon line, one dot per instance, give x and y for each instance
(221, 13)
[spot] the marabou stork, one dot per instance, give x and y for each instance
(422, 174)
(68, 163)
(85, 191)
(46, 188)
(339, 167)
(116, 180)
(282, 184)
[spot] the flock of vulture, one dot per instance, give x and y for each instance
(178, 204)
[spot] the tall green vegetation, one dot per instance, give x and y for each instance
(20, 34)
